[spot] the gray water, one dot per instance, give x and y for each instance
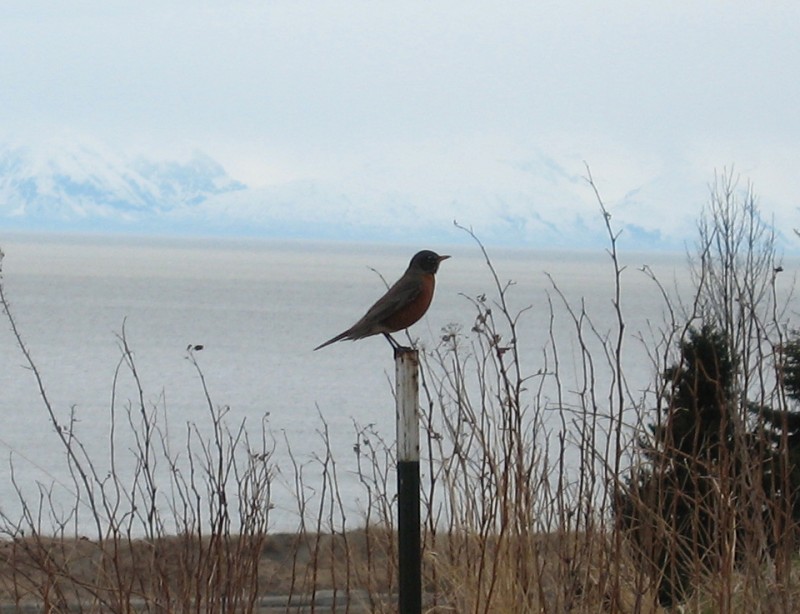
(259, 309)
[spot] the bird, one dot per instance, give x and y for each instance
(402, 305)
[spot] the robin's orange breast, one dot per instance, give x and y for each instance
(415, 308)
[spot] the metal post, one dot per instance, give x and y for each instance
(408, 520)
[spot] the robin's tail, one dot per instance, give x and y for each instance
(339, 337)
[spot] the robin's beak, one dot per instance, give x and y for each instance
(443, 258)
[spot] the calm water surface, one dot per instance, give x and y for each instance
(258, 310)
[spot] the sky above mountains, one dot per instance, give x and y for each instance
(416, 112)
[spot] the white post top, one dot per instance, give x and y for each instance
(407, 399)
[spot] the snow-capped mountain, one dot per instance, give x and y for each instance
(74, 186)
(77, 183)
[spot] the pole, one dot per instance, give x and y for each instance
(408, 520)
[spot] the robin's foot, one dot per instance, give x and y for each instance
(396, 346)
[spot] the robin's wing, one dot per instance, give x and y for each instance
(405, 290)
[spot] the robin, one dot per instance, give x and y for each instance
(402, 305)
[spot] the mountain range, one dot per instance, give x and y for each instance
(87, 188)
(82, 188)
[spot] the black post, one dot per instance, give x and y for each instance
(408, 516)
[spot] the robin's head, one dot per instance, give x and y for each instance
(426, 261)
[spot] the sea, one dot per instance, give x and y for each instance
(254, 311)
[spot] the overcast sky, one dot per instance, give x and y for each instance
(426, 97)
